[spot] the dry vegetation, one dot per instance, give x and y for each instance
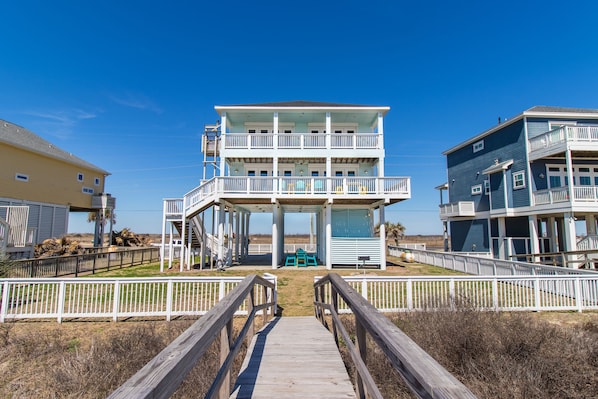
(90, 360)
(498, 355)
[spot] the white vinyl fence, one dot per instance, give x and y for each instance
(116, 298)
(484, 266)
(504, 293)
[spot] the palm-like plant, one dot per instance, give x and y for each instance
(395, 230)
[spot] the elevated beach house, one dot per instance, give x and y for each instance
(322, 159)
(39, 185)
(528, 185)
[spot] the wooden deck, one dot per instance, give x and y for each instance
(293, 357)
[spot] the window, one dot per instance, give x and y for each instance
(314, 173)
(479, 146)
(87, 190)
(21, 177)
(251, 131)
(555, 181)
(264, 173)
(486, 187)
(287, 173)
(338, 173)
(79, 176)
(585, 180)
(518, 180)
(476, 190)
(96, 181)
(351, 173)
(251, 173)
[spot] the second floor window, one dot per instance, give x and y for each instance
(518, 180)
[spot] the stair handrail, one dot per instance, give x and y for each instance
(162, 375)
(424, 376)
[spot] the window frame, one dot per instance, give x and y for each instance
(21, 177)
(476, 189)
(477, 146)
(519, 180)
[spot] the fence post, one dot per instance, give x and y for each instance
(578, 294)
(495, 290)
(226, 341)
(537, 293)
(169, 293)
(4, 304)
(115, 305)
(61, 299)
(93, 267)
(452, 293)
(409, 294)
(364, 289)
(76, 266)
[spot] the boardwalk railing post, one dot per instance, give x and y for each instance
(115, 307)
(334, 302)
(360, 342)
(251, 327)
(169, 295)
(225, 344)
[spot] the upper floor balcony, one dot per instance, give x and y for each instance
(457, 209)
(300, 141)
(247, 189)
(575, 138)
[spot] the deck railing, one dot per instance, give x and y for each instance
(105, 259)
(300, 186)
(247, 141)
(504, 293)
(486, 266)
(423, 375)
(164, 373)
(115, 298)
(564, 134)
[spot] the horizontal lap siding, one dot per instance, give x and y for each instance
(345, 251)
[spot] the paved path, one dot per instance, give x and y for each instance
(293, 357)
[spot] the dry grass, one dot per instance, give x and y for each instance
(499, 355)
(90, 360)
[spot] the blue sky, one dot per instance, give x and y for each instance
(129, 85)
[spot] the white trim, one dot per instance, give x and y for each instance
(478, 146)
(80, 176)
(476, 189)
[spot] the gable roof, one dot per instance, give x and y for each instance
(536, 111)
(20, 137)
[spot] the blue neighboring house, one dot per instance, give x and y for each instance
(509, 187)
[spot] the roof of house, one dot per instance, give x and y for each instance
(536, 111)
(298, 104)
(20, 137)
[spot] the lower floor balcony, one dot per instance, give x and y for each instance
(457, 209)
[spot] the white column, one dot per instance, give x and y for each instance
(221, 222)
(183, 247)
(382, 237)
(591, 224)
(204, 240)
(380, 144)
(534, 236)
(329, 176)
(162, 247)
(501, 238)
(237, 236)
(247, 218)
(275, 131)
(570, 234)
(328, 227)
(275, 236)
(222, 144)
(230, 230)
(552, 232)
(328, 131)
(570, 175)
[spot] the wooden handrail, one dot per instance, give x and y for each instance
(423, 375)
(164, 373)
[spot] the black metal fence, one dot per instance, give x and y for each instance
(88, 263)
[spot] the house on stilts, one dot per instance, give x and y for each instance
(281, 158)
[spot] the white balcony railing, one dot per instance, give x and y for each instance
(457, 209)
(304, 187)
(301, 141)
(565, 134)
(561, 194)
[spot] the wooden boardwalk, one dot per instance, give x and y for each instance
(293, 357)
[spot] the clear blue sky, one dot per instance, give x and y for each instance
(128, 85)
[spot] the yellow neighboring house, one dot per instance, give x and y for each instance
(39, 185)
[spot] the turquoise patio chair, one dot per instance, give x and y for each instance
(311, 260)
(291, 260)
(301, 258)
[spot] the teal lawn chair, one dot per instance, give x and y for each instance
(291, 260)
(301, 258)
(311, 260)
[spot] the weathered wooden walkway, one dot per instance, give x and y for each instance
(293, 357)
